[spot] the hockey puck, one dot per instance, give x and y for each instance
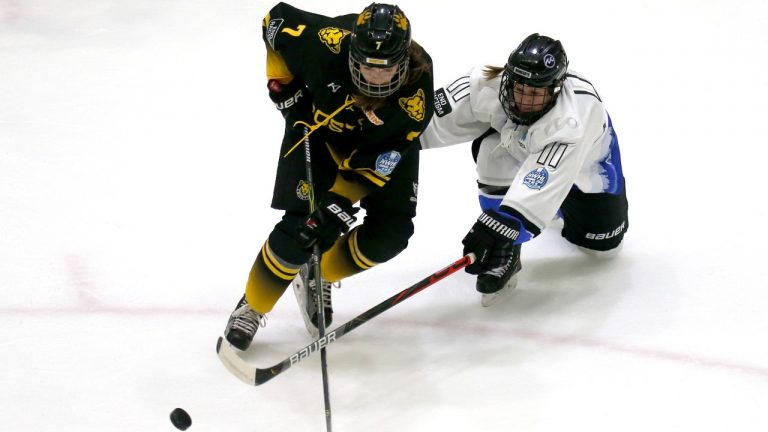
(181, 419)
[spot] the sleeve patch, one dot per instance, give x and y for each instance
(536, 179)
(442, 106)
(272, 28)
(386, 162)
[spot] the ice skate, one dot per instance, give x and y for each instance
(304, 288)
(242, 325)
(496, 283)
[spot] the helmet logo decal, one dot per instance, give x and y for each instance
(414, 105)
(386, 162)
(363, 17)
(375, 61)
(549, 61)
(331, 37)
(401, 22)
(522, 72)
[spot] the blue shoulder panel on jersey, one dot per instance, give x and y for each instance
(612, 164)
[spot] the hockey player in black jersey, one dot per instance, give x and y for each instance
(360, 89)
(545, 150)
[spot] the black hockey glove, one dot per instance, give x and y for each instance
(292, 100)
(332, 218)
(490, 239)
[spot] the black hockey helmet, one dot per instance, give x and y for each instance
(539, 61)
(381, 36)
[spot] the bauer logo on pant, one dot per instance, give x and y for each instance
(536, 179)
(386, 162)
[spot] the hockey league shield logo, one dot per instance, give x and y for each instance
(536, 179)
(386, 162)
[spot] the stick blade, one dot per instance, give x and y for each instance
(234, 364)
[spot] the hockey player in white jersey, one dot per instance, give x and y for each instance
(545, 149)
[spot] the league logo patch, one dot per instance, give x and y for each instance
(536, 179)
(302, 190)
(386, 162)
(442, 106)
(414, 105)
(272, 28)
(331, 37)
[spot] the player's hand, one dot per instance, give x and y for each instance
(332, 218)
(293, 99)
(490, 239)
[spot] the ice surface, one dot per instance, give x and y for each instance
(137, 154)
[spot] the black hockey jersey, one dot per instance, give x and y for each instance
(367, 144)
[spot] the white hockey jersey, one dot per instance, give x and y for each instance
(572, 144)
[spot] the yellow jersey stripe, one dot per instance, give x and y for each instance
(360, 259)
(274, 266)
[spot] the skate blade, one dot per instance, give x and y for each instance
(487, 300)
(301, 298)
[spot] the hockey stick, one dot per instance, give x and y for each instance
(252, 375)
(315, 261)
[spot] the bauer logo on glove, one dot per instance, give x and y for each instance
(336, 210)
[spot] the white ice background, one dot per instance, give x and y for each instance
(137, 155)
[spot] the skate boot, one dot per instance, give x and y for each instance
(304, 286)
(498, 282)
(242, 325)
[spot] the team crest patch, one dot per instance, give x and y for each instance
(331, 37)
(272, 28)
(302, 190)
(536, 179)
(414, 105)
(386, 162)
(373, 118)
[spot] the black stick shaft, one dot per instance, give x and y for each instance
(318, 287)
(264, 375)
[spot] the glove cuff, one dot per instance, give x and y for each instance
(499, 226)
